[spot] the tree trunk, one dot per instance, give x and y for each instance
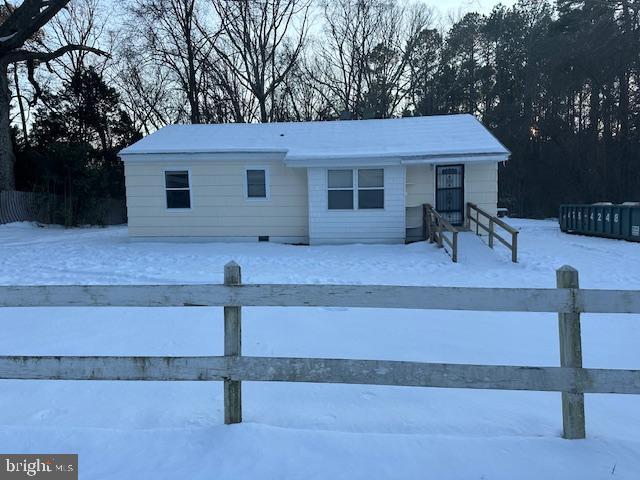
(262, 102)
(624, 107)
(594, 113)
(192, 93)
(626, 54)
(7, 157)
(23, 117)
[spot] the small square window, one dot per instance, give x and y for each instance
(256, 184)
(178, 199)
(340, 179)
(371, 178)
(177, 179)
(177, 190)
(369, 199)
(340, 199)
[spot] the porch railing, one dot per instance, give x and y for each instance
(490, 227)
(436, 229)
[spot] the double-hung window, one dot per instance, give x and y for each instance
(370, 188)
(178, 193)
(340, 189)
(256, 183)
(362, 189)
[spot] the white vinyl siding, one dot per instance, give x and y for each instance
(383, 225)
(219, 206)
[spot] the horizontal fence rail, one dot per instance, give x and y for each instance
(323, 370)
(568, 301)
(356, 296)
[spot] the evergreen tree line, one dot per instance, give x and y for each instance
(71, 151)
(556, 82)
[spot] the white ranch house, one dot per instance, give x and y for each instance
(352, 181)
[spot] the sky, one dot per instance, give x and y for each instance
(444, 6)
(483, 6)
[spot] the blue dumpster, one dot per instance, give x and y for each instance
(602, 220)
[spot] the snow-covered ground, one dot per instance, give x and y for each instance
(133, 430)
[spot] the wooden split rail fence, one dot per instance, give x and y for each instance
(568, 300)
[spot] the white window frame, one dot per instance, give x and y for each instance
(353, 190)
(355, 187)
(369, 188)
(267, 181)
(164, 182)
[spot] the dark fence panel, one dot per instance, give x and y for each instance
(47, 208)
(26, 207)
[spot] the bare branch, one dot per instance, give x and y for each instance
(44, 57)
(25, 20)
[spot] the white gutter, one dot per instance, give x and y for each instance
(392, 159)
(492, 157)
(311, 161)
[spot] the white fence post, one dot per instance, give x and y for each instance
(573, 421)
(232, 347)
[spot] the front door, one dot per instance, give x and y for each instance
(450, 193)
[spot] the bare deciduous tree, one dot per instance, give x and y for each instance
(388, 73)
(363, 56)
(145, 91)
(81, 22)
(260, 42)
(172, 34)
(226, 99)
(348, 39)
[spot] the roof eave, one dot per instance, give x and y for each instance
(456, 157)
(394, 159)
(203, 155)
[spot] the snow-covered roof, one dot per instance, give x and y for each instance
(423, 139)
